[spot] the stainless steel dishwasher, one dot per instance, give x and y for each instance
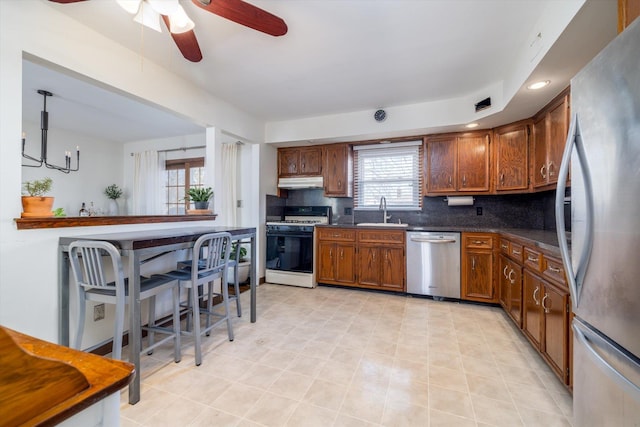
(433, 264)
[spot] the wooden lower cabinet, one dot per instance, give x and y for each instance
(478, 278)
(546, 322)
(381, 267)
(511, 289)
(369, 258)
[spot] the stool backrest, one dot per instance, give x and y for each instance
(211, 256)
(91, 273)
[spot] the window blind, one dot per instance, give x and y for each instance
(390, 170)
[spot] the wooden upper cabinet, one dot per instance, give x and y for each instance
(511, 149)
(441, 164)
(628, 11)
(300, 161)
(457, 163)
(473, 163)
(337, 170)
(550, 130)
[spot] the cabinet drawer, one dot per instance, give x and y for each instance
(504, 246)
(553, 269)
(381, 236)
(478, 242)
(340, 234)
(533, 259)
(515, 251)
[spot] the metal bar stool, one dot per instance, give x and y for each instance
(90, 275)
(209, 261)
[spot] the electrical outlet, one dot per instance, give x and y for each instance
(239, 203)
(98, 312)
(479, 211)
(348, 211)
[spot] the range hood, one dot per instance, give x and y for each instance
(299, 182)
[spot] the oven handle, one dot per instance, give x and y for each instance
(294, 234)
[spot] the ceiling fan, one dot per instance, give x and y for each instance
(147, 13)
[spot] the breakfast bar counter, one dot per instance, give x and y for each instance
(140, 246)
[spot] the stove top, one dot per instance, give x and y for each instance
(304, 216)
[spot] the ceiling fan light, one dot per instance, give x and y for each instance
(131, 6)
(148, 17)
(180, 22)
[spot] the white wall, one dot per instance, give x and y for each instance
(28, 258)
(100, 166)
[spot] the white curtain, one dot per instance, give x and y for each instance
(229, 188)
(149, 193)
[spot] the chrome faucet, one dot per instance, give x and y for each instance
(383, 208)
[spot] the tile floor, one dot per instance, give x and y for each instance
(338, 357)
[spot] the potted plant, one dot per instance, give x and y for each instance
(200, 196)
(243, 264)
(113, 192)
(36, 204)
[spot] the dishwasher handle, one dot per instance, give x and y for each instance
(427, 240)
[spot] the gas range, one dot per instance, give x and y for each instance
(301, 217)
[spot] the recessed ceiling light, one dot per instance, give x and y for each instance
(538, 85)
(471, 125)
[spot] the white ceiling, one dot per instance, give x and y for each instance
(338, 56)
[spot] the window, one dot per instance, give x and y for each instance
(390, 170)
(182, 175)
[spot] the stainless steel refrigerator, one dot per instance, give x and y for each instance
(603, 261)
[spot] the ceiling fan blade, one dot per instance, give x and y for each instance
(186, 42)
(245, 14)
(66, 1)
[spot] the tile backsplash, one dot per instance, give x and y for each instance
(533, 211)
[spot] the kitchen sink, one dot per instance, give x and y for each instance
(382, 224)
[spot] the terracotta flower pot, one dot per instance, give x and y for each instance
(33, 207)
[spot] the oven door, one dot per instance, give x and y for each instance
(290, 251)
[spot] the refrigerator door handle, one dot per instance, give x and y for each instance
(585, 337)
(575, 278)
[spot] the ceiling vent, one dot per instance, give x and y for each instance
(483, 105)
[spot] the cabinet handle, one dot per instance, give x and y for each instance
(551, 168)
(303, 166)
(473, 263)
(530, 258)
(504, 272)
(542, 172)
(516, 252)
(449, 180)
(510, 279)
(339, 184)
(502, 178)
(534, 295)
(555, 270)
(546, 309)
(504, 246)
(341, 253)
(331, 253)
(464, 180)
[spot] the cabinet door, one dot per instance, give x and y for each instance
(539, 150)
(514, 278)
(326, 262)
(504, 284)
(393, 266)
(533, 292)
(310, 161)
(512, 158)
(345, 263)
(473, 163)
(368, 265)
(556, 328)
(441, 158)
(288, 162)
(477, 276)
(336, 171)
(558, 128)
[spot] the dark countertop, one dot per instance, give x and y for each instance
(546, 240)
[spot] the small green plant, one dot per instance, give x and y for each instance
(200, 194)
(59, 212)
(113, 192)
(38, 187)
(243, 252)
